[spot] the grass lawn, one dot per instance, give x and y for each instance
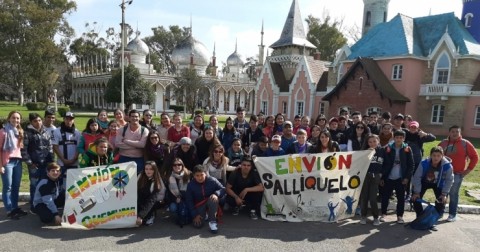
(81, 118)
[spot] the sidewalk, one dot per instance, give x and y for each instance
(462, 209)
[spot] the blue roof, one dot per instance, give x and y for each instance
(406, 36)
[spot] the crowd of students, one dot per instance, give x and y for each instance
(198, 169)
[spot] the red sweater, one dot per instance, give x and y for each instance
(175, 136)
(456, 151)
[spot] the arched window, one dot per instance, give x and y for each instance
(468, 20)
(442, 69)
(368, 19)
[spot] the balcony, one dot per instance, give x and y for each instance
(443, 91)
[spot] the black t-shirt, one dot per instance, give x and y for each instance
(239, 183)
(431, 177)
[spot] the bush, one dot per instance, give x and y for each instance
(63, 110)
(36, 105)
(198, 112)
(176, 108)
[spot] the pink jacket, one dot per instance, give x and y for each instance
(7, 155)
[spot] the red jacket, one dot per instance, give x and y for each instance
(458, 153)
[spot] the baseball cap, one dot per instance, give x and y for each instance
(69, 114)
(185, 140)
(276, 138)
(333, 119)
(414, 124)
(399, 115)
(288, 123)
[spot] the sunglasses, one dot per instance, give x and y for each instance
(153, 137)
(148, 115)
(217, 151)
(360, 128)
(177, 165)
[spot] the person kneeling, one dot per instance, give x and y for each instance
(244, 188)
(151, 191)
(49, 196)
(436, 173)
(203, 194)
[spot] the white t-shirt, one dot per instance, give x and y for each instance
(71, 141)
(396, 173)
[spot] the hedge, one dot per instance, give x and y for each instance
(36, 105)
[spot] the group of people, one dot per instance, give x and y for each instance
(198, 169)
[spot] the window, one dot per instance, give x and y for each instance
(397, 71)
(374, 109)
(368, 18)
(477, 116)
(284, 108)
(300, 108)
(438, 112)
(341, 69)
(265, 107)
(468, 20)
(321, 108)
(384, 16)
(442, 69)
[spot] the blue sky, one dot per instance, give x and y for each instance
(223, 21)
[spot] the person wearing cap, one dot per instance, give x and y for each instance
(240, 123)
(287, 137)
(261, 147)
(415, 138)
(398, 122)
(49, 122)
(252, 135)
(37, 152)
(65, 141)
(275, 148)
(131, 140)
(186, 151)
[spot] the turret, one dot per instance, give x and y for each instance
(374, 12)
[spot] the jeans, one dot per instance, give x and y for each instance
(454, 194)
(11, 183)
(389, 186)
(139, 161)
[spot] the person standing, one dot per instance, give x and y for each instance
(37, 152)
(65, 141)
(11, 142)
(240, 123)
(131, 140)
(459, 150)
(49, 122)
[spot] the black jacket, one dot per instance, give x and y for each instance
(406, 161)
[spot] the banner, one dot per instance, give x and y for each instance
(103, 197)
(312, 187)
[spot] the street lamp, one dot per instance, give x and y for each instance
(35, 96)
(155, 103)
(55, 99)
(122, 91)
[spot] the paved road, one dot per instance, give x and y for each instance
(239, 233)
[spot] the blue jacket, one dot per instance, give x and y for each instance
(197, 192)
(444, 179)
(406, 161)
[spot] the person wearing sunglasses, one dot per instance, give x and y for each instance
(358, 135)
(217, 164)
(147, 120)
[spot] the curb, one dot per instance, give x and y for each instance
(462, 209)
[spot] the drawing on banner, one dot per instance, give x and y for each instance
(120, 181)
(312, 187)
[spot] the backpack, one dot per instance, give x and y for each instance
(426, 219)
(445, 142)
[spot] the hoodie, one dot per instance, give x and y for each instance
(444, 177)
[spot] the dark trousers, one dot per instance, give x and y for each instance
(252, 201)
(440, 207)
(45, 214)
(152, 211)
(369, 194)
(35, 175)
(399, 188)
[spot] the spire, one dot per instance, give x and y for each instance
(261, 48)
(214, 49)
(236, 44)
(261, 41)
(293, 32)
(191, 26)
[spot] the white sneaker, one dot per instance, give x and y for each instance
(213, 227)
(400, 220)
(376, 222)
(382, 218)
(363, 221)
(451, 218)
(253, 215)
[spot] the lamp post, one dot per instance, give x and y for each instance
(122, 90)
(35, 96)
(155, 103)
(164, 100)
(55, 99)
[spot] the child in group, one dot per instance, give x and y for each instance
(235, 153)
(99, 153)
(177, 185)
(151, 191)
(372, 179)
(275, 149)
(91, 133)
(111, 133)
(49, 196)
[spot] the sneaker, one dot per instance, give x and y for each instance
(400, 220)
(213, 227)
(19, 212)
(236, 211)
(451, 218)
(382, 218)
(32, 211)
(363, 221)
(376, 222)
(434, 228)
(253, 215)
(358, 211)
(150, 221)
(408, 198)
(12, 215)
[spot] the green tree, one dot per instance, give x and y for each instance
(29, 55)
(187, 85)
(162, 43)
(137, 90)
(326, 36)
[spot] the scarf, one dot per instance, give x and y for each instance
(157, 150)
(11, 137)
(103, 125)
